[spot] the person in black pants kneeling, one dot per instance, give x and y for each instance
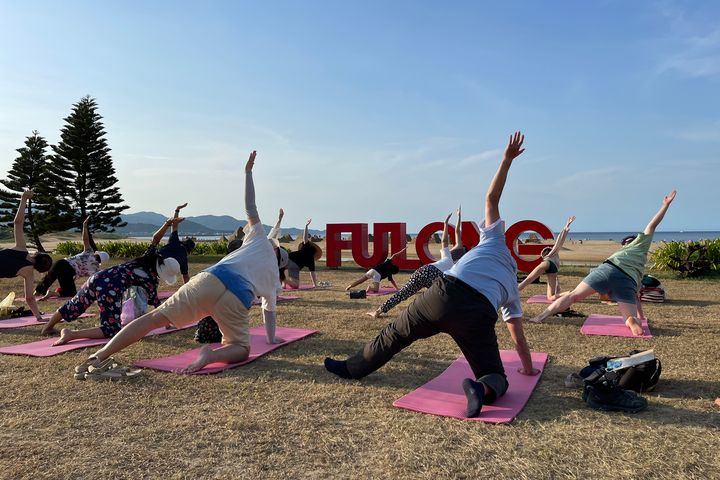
(463, 304)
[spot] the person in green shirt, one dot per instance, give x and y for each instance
(619, 276)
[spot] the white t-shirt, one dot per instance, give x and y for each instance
(256, 262)
(446, 262)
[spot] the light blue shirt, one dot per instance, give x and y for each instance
(491, 270)
(240, 287)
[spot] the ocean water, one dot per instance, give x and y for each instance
(658, 237)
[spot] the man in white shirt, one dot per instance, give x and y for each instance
(225, 291)
(463, 304)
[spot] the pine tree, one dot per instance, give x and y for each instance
(82, 170)
(29, 172)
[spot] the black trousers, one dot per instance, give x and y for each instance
(64, 273)
(448, 306)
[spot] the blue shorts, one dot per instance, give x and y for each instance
(610, 280)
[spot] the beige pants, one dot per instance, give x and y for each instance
(205, 295)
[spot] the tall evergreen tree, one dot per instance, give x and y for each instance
(82, 169)
(30, 172)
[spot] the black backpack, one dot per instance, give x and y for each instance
(207, 331)
(639, 378)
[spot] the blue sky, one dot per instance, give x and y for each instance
(383, 111)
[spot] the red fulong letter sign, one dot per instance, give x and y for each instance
(391, 237)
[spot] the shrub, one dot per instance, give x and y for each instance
(690, 259)
(127, 249)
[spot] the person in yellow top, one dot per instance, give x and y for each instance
(619, 276)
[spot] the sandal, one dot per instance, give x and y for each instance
(115, 374)
(82, 370)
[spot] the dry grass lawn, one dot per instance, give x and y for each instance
(284, 416)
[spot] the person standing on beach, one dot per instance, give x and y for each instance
(619, 276)
(550, 265)
(463, 303)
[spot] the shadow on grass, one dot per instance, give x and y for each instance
(692, 303)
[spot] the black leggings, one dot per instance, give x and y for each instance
(64, 273)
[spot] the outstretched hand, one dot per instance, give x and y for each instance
(87, 219)
(308, 222)
(281, 214)
(27, 195)
(569, 222)
(180, 207)
(447, 219)
(514, 147)
(251, 162)
(669, 198)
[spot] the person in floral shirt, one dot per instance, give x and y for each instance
(106, 287)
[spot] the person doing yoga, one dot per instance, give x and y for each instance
(422, 277)
(67, 269)
(16, 261)
(106, 287)
(464, 304)
(549, 265)
(305, 256)
(379, 272)
(175, 248)
(619, 276)
(224, 291)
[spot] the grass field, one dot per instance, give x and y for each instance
(284, 416)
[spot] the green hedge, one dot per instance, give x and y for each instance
(126, 249)
(690, 259)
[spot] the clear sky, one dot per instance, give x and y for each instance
(383, 111)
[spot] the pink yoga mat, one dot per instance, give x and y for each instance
(51, 297)
(31, 320)
(44, 348)
(280, 298)
(444, 395)
(539, 299)
(306, 286)
(258, 348)
(382, 291)
(611, 326)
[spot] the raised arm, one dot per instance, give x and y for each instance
(561, 237)
(458, 229)
(650, 229)
(306, 237)
(444, 239)
(87, 245)
(19, 222)
(177, 214)
(492, 198)
(275, 231)
(158, 236)
(250, 208)
(397, 253)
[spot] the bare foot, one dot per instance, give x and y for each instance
(49, 331)
(65, 335)
(634, 325)
(202, 359)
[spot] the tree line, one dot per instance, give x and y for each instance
(72, 180)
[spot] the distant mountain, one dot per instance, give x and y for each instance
(147, 223)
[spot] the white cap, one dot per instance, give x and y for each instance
(104, 256)
(169, 270)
